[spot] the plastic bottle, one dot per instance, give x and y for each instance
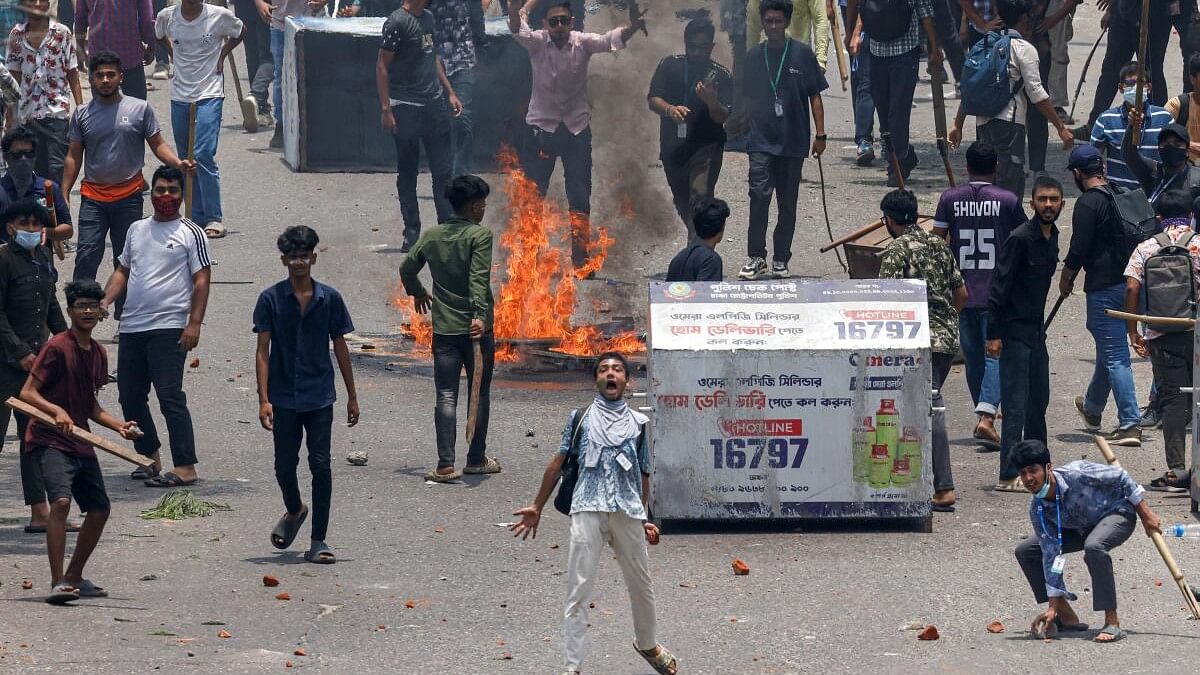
(887, 429)
(910, 447)
(863, 439)
(1182, 530)
(881, 466)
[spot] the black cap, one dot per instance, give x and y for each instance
(1176, 129)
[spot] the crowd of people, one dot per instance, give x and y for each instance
(988, 266)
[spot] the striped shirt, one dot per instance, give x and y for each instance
(1109, 131)
(922, 9)
(125, 27)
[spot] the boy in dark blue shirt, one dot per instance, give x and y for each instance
(295, 320)
(700, 260)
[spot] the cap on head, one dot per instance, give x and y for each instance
(1174, 130)
(1087, 159)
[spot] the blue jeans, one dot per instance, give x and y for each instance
(1113, 371)
(277, 83)
(893, 80)
(462, 133)
(983, 372)
(1025, 387)
(98, 220)
(860, 89)
(206, 188)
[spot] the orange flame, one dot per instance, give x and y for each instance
(539, 293)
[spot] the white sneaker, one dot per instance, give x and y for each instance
(779, 270)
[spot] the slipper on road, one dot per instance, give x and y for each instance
(62, 594)
(169, 480)
(1114, 634)
(1069, 627)
(144, 473)
(287, 528)
(436, 477)
(87, 589)
(321, 554)
(490, 465)
(663, 662)
(214, 230)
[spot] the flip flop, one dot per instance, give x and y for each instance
(942, 508)
(663, 663)
(86, 589)
(214, 230)
(1116, 633)
(321, 554)
(144, 473)
(287, 528)
(41, 529)
(62, 594)
(436, 477)
(169, 480)
(490, 465)
(1069, 627)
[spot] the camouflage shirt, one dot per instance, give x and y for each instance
(918, 254)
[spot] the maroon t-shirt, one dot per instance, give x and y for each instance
(70, 377)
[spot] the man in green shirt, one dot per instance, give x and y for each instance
(917, 254)
(459, 254)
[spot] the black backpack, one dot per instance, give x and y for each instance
(570, 469)
(1136, 219)
(1170, 282)
(886, 20)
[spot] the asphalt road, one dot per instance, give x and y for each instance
(818, 599)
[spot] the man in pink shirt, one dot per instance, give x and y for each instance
(559, 114)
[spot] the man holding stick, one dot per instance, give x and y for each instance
(1081, 506)
(63, 383)
(459, 254)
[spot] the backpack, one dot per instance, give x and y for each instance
(886, 20)
(1137, 220)
(1170, 282)
(570, 468)
(984, 82)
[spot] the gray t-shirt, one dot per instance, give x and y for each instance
(114, 138)
(412, 77)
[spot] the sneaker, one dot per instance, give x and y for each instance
(1131, 437)
(410, 239)
(755, 268)
(1092, 422)
(1151, 419)
(779, 270)
(910, 162)
(277, 138)
(866, 153)
(161, 73)
(265, 120)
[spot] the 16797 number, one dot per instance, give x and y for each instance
(872, 330)
(750, 453)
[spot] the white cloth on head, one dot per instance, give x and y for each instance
(609, 424)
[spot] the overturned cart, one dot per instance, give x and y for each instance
(790, 400)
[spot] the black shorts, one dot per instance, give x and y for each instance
(67, 475)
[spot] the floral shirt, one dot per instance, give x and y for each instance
(452, 35)
(42, 72)
(607, 487)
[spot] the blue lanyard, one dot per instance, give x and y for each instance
(1162, 187)
(1058, 517)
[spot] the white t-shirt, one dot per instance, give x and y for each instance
(161, 257)
(197, 47)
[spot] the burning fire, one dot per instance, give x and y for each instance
(539, 293)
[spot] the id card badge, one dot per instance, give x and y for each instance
(681, 130)
(624, 461)
(1059, 564)
(778, 108)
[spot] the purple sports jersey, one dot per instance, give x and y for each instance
(979, 216)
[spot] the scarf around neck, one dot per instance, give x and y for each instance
(610, 424)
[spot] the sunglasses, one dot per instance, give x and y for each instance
(556, 21)
(21, 154)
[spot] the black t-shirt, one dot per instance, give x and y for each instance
(696, 263)
(413, 75)
(379, 8)
(675, 82)
(799, 79)
(1096, 243)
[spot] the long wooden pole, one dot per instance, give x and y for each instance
(57, 245)
(191, 155)
(1160, 320)
(82, 434)
(1159, 543)
(476, 391)
(1141, 70)
(840, 49)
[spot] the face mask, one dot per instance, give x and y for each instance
(1130, 95)
(1172, 156)
(166, 207)
(1045, 489)
(27, 240)
(21, 170)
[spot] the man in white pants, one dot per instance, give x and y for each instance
(608, 504)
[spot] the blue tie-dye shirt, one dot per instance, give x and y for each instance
(1088, 492)
(607, 487)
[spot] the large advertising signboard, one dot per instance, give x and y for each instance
(790, 399)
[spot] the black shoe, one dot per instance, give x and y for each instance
(410, 239)
(1151, 419)
(277, 138)
(910, 162)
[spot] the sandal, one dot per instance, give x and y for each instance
(214, 230)
(169, 480)
(1115, 634)
(435, 477)
(1069, 627)
(287, 528)
(490, 465)
(41, 529)
(1168, 482)
(86, 589)
(144, 473)
(320, 553)
(62, 594)
(1014, 485)
(663, 663)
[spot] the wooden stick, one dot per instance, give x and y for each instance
(57, 245)
(476, 391)
(1160, 320)
(82, 434)
(1159, 543)
(861, 232)
(839, 48)
(191, 155)
(1141, 72)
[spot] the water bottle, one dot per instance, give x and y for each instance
(1182, 530)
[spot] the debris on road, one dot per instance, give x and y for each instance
(283, 596)
(224, 634)
(357, 458)
(195, 363)
(180, 504)
(409, 604)
(740, 568)
(27, 584)
(300, 652)
(270, 580)
(995, 627)
(930, 633)
(913, 625)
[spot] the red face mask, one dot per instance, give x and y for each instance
(166, 207)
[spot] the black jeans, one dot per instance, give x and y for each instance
(1171, 358)
(1096, 544)
(51, 148)
(451, 354)
(943, 475)
(1122, 48)
(133, 82)
(771, 174)
(260, 67)
(417, 126)
(154, 357)
(290, 427)
(693, 180)
(1037, 127)
(1008, 139)
(946, 24)
(32, 485)
(1024, 395)
(893, 81)
(1189, 36)
(575, 150)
